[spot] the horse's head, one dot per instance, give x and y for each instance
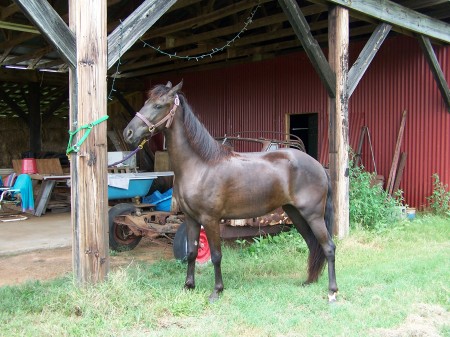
(156, 114)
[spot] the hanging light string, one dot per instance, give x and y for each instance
(248, 21)
(118, 62)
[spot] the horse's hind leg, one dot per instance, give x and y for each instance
(193, 233)
(320, 246)
(212, 230)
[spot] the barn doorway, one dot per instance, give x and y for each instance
(305, 126)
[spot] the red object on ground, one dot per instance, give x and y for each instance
(204, 254)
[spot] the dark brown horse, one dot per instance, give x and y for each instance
(213, 183)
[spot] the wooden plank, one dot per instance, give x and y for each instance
(360, 144)
(50, 24)
(399, 175)
(398, 15)
(338, 114)
(392, 172)
(438, 75)
(88, 97)
(134, 26)
(312, 48)
(366, 56)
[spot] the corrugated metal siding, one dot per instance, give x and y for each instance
(256, 96)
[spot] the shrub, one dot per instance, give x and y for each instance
(440, 198)
(370, 206)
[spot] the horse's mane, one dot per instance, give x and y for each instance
(198, 136)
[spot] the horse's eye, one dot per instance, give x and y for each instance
(157, 106)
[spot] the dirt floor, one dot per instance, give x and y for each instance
(46, 264)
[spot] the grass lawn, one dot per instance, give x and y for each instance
(391, 284)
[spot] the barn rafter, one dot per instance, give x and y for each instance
(195, 27)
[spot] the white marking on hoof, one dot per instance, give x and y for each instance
(332, 298)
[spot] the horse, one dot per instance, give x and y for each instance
(213, 183)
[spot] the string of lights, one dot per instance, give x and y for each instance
(248, 21)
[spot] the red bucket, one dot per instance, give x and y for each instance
(29, 166)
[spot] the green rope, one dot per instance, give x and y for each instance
(76, 147)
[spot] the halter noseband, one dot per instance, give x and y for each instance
(169, 117)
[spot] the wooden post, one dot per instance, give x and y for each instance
(89, 166)
(34, 113)
(338, 39)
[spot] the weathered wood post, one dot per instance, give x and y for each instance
(89, 165)
(338, 39)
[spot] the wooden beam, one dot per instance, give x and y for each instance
(8, 11)
(50, 24)
(438, 74)
(56, 104)
(124, 103)
(338, 126)
(366, 56)
(14, 106)
(312, 48)
(394, 165)
(204, 19)
(398, 15)
(134, 26)
(88, 166)
(34, 115)
(27, 76)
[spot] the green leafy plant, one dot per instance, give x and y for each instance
(273, 243)
(440, 198)
(371, 207)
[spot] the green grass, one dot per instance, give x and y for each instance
(383, 279)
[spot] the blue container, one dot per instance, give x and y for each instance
(162, 201)
(136, 188)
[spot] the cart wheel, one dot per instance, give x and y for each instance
(121, 238)
(180, 246)
(204, 253)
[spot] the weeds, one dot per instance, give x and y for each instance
(440, 198)
(371, 207)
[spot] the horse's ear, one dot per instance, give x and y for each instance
(176, 88)
(169, 84)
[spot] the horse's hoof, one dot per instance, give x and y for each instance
(332, 297)
(189, 286)
(213, 297)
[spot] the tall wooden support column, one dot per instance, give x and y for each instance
(338, 39)
(34, 113)
(88, 167)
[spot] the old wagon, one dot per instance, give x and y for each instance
(134, 219)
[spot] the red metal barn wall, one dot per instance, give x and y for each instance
(257, 96)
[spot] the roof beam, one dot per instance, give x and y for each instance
(433, 62)
(312, 48)
(366, 56)
(398, 15)
(134, 26)
(50, 24)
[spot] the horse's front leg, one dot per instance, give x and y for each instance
(193, 233)
(212, 230)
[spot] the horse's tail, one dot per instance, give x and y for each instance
(316, 260)
(329, 210)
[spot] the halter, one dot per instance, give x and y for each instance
(169, 117)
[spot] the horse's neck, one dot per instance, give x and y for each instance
(181, 153)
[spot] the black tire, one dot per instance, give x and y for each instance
(180, 243)
(120, 237)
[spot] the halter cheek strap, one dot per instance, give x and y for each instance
(169, 117)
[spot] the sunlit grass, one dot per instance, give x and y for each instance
(382, 279)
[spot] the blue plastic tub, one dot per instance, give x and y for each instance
(136, 188)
